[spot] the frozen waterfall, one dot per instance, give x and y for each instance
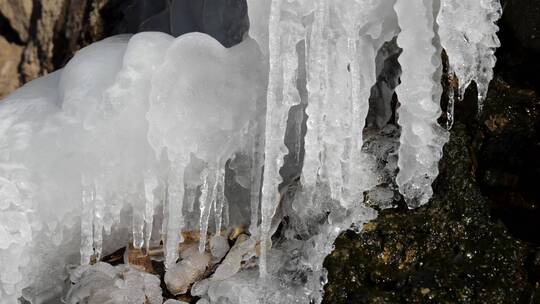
(149, 138)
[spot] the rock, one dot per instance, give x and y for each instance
(517, 59)
(17, 13)
(10, 57)
(508, 163)
(44, 35)
(449, 251)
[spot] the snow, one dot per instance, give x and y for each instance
(149, 138)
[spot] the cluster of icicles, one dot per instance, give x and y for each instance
(151, 122)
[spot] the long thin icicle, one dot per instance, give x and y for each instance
(99, 210)
(87, 217)
(205, 202)
(257, 160)
(138, 215)
(276, 119)
(175, 217)
(317, 77)
(219, 202)
(150, 184)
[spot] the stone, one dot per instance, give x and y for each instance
(10, 56)
(18, 14)
(449, 251)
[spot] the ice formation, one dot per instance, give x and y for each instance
(468, 33)
(144, 138)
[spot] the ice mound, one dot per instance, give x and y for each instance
(293, 132)
(78, 150)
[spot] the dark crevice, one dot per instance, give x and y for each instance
(8, 32)
(32, 33)
(61, 43)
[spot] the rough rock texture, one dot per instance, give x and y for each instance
(508, 146)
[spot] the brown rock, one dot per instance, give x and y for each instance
(49, 33)
(10, 56)
(18, 13)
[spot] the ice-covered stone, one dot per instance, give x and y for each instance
(103, 283)
(190, 269)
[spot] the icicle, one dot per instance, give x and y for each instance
(282, 94)
(469, 35)
(150, 184)
(422, 138)
(256, 175)
(99, 209)
(175, 220)
(205, 201)
(450, 109)
(317, 77)
(362, 76)
(138, 216)
(225, 213)
(87, 221)
(165, 212)
(220, 202)
(276, 117)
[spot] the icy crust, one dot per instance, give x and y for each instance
(468, 33)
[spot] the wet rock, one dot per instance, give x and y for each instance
(508, 164)
(449, 251)
(517, 59)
